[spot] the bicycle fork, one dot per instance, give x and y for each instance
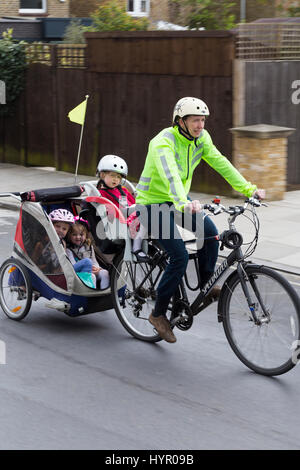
(251, 304)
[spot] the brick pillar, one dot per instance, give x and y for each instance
(260, 154)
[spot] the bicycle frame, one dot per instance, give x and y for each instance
(235, 256)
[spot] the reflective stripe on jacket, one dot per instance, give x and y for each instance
(170, 163)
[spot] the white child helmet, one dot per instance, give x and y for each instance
(61, 215)
(112, 163)
(189, 106)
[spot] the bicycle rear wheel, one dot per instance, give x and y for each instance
(15, 289)
(268, 346)
(133, 287)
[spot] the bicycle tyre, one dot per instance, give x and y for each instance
(269, 348)
(133, 313)
(14, 300)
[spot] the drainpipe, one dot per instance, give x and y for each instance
(242, 11)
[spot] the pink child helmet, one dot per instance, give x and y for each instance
(61, 215)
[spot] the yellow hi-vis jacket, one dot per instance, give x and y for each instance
(170, 164)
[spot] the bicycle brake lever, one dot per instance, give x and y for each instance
(217, 210)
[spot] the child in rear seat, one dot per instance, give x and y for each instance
(80, 249)
(111, 169)
(63, 220)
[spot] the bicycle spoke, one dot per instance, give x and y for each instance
(134, 293)
(264, 345)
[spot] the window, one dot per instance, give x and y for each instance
(130, 5)
(33, 6)
(138, 7)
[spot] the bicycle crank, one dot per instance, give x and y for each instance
(182, 316)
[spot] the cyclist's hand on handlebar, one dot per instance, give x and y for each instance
(193, 206)
(259, 193)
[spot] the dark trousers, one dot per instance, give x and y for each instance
(178, 260)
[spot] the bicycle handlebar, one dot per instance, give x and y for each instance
(217, 208)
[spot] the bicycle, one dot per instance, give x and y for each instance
(258, 307)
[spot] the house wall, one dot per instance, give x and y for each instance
(83, 8)
(9, 8)
(54, 8)
(159, 10)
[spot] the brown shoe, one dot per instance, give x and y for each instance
(163, 328)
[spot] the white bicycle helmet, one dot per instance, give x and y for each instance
(112, 163)
(61, 215)
(189, 106)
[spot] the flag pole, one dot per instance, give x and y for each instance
(80, 140)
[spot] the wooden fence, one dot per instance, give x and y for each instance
(133, 79)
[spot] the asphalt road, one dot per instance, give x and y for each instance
(85, 383)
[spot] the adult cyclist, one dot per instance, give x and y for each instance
(172, 157)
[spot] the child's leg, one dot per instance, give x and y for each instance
(103, 277)
(83, 266)
(136, 244)
(137, 241)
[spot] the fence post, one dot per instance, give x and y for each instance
(260, 154)
(55, 105)
(239, 99)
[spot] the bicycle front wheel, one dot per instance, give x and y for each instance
(133, 288)
(266, 341)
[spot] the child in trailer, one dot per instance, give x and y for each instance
(80, 249)
(63, 220)
(111, 169)
(43, 254)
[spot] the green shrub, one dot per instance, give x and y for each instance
(74, 33)
(12, 70)
(113, 17)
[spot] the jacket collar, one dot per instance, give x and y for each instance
(185, 139)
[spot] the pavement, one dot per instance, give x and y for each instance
(279, 236)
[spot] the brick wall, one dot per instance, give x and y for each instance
(58, 9)
(55, 8)
(159, 10)
(9, 7)
(83, 8)
(263, 161)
